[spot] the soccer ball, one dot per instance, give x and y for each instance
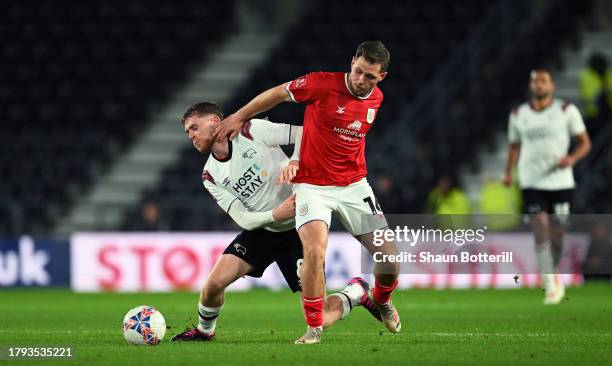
(144, 325)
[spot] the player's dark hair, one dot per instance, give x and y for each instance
(374, 52)
(201, 109)
(543, 69)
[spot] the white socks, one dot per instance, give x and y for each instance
(350, 297)
(545, 264)
(208, 318)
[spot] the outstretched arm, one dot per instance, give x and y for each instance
(271, 134)
(513, 155)
(231, 125)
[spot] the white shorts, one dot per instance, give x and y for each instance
(355, 205)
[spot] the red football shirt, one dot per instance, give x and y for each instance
(335, 125)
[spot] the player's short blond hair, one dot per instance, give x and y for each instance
(201, 109)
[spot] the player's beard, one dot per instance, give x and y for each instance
(542, 95)
(203, 145)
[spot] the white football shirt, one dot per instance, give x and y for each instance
(249, 172)
(545, 138)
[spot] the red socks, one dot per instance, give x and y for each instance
(313, 310)
(313, 306)
(382, 293)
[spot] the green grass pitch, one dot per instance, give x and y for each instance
(258, 328)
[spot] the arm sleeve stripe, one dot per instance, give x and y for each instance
(230, 205)
(246, 130)
(290, 93)
(565, 105)
(207, 176)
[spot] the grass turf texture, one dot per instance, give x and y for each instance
(259, 327)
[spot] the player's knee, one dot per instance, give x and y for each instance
(539, 220)
(314, 254)
(540, 227)
(314, 245)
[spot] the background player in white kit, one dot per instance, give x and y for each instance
(240, 175)
(540, 133)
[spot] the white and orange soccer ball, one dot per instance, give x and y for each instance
(144, 325)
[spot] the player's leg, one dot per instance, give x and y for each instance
(334, 310)
(240, 258)
(314, 239)
(361, 214)
(541, 227)
(314, 242)
(339, 305)
(313, 216)
(557, 233)
(226, 270)
(386, 274)
(561, 207)
(536, 204)
(289, 257)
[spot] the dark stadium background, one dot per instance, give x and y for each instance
(82, 82)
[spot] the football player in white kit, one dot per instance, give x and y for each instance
(241, 175)
(540, 133)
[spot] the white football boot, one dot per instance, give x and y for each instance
(390, 316)
(554, 293)
(313, 335)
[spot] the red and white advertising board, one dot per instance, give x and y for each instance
(176, 261)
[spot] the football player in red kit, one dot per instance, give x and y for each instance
(331, 176)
